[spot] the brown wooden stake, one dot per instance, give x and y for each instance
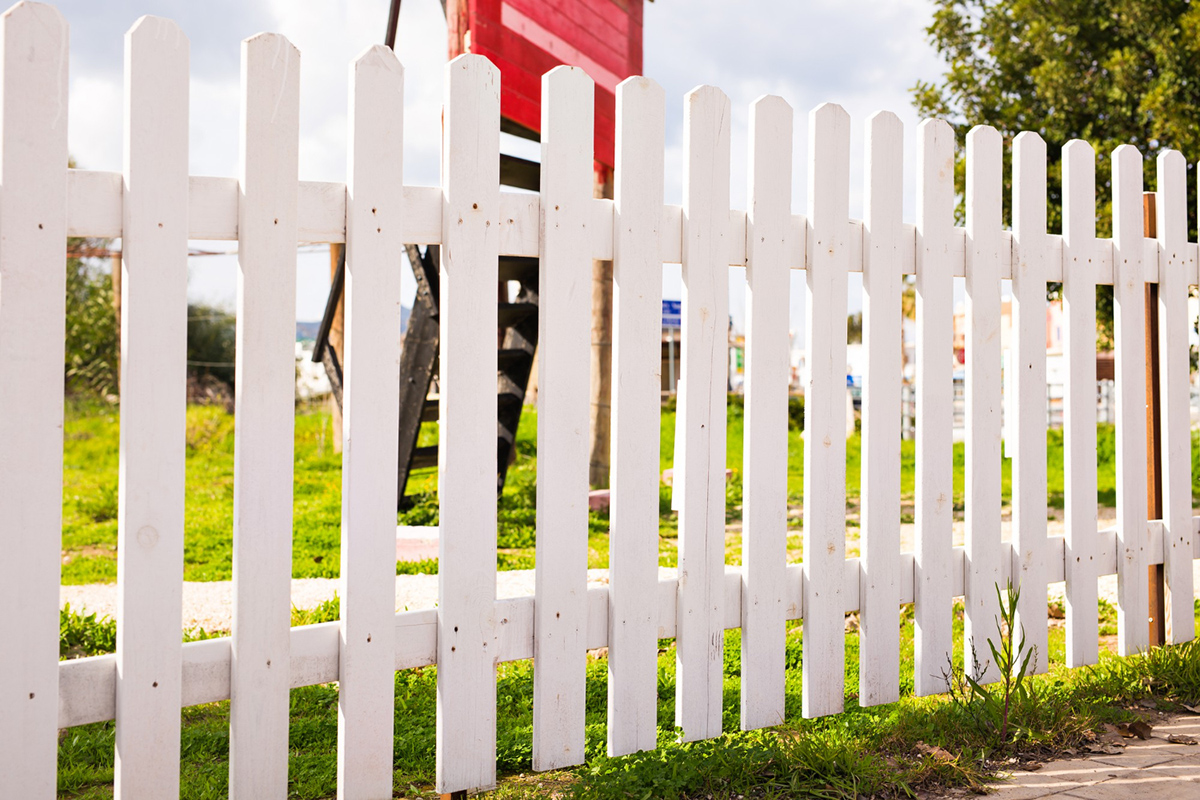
(336, 336)
(601, 384)
(1154, 505)
(462, 795)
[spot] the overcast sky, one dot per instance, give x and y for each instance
(863, 54)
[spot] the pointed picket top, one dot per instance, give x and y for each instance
(770, 104)
(45, 16)
(566, 75)
(983, 136)
(472, 67)
(1079, 153)
(379, 55)
(829, 113)
(885, 122)
(150, 28)
(280, 55)
(1029, 165)
(702, 99)
(935, 184)
(639, 83)
(828, 127)
(1127, 180)
(706, 98)
(1172, 184)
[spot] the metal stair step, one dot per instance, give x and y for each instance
(509, 314)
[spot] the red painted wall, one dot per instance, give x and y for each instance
(527, 38)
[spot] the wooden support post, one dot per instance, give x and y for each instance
(1154, 490)
(601, 384)
(336, 337)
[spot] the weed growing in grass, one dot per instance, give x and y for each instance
(992, 711)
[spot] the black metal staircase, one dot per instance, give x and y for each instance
(517, 344)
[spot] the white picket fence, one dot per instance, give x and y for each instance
(155, 206)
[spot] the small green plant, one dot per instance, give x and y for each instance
(81, 635)
(993, 709)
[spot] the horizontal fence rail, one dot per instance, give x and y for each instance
(87, 684)
(94, 209)
(155, 207)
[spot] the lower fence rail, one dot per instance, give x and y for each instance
(87, 686)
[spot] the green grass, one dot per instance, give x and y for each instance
(90, 493)
(865, 751)
(90, 496)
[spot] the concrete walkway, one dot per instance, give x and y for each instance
(1153, 768)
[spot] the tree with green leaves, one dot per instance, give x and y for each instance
(91, 329)
(1110, 72)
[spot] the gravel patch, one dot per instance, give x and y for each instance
(209, 605)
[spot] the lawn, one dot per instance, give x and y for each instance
(883, 751)
(91, 467)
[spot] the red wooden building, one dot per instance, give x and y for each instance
(527, 38)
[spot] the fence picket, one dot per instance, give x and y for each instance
(33, 213)
(985, 174)
(823, 668)
(1029, 274)
(153, 409)
(467, 653)
(564, 304)
(1079, 402)
(700, 630)
(1129, 313)
(264, 424)
(933, 631)
(1174, 267)
(636, 418)
(764, 503)
(371, 393)
(879, 600)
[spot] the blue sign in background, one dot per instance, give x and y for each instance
(672, 313)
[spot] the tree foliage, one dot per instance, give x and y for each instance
(1110, 72)
(211, 338)
(91, 343)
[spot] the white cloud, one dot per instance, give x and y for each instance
(863, 54)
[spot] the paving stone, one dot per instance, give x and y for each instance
(1138, 784)
(1140, 757)
(1050, 779)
